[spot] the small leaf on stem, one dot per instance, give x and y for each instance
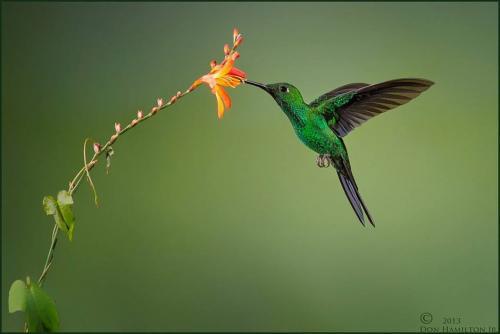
(65, 202)
(64, 198)
(17, 296)
(41, 312)
(49, 205)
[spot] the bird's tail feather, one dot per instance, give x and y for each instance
(351, 190)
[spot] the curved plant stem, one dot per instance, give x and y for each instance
(50, 255)
(85, 171)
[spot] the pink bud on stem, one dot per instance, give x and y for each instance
(174, 98)
(236, 32)
(238, 41)
(159, 102)
(97, 147)
(236, 55)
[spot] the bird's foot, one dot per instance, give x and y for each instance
(323, 160)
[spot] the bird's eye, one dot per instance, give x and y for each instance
(284, 89)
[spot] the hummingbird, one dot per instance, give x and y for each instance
(323, 123)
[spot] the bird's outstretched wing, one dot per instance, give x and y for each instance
(349, 106)
(336, 92)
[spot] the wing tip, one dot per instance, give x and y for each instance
(420, 81)
(426, 82)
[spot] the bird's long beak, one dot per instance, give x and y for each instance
(257, 84)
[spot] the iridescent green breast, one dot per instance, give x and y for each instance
(312, 128)
(316, 135)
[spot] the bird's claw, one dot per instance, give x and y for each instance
(323, 160)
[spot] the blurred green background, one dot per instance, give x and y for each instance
(230, 225)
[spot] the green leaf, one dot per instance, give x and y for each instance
(62, 211)
(60, 221)
(17, 296)
(64, 198)
(41, 312)
(49, 205)
(70, 232)
(52, 209)
(65, 202)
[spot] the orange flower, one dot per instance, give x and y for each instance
(223, 75)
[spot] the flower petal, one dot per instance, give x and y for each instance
(228, 81)
(223, 100)
(196, 84)
(237, 72)
(224, 95)
(220, 106)
(228, 65)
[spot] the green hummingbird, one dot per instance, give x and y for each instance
(322, 124)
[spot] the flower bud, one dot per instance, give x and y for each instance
(159, 102)
(118, 127)
(213, 63)
(97, 147)
(226, 49)
(236, 55)
(113, 138)
(238, 41)
(236, 32)
(140, 114)
(154, 110)
(134, 122)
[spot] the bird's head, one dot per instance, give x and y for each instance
(286, 95)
